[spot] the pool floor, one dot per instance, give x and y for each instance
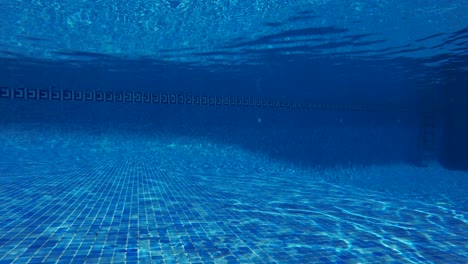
(192, 201)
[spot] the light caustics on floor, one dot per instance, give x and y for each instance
(191, 201)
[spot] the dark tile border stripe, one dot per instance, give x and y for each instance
(181, 99)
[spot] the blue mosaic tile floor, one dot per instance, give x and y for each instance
(69, 198)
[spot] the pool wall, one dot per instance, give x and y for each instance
(316, 121)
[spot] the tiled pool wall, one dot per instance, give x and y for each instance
(302, 131)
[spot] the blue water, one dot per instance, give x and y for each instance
(233, 131)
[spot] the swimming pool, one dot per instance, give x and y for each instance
(233, 132)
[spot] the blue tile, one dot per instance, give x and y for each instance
(107, 206)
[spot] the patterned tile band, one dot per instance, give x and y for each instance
(172, 98)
